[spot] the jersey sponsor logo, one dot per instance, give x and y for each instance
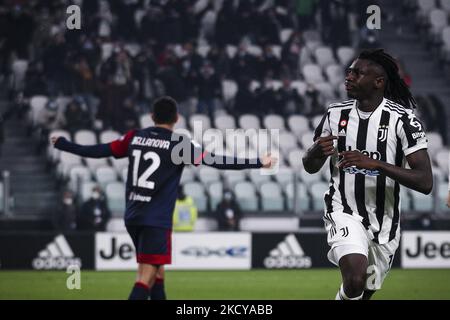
(343, 123)
(382, 133)
(138, 197)
(288, 254)
(57, 255)
(366, 172)
(418, 135)
(371, 154)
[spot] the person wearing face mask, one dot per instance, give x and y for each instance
(228, 213)
(95, 213)
(185, 213)
(65, 219)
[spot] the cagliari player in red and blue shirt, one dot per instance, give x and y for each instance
(157, 157)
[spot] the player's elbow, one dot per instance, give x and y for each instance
(309, 166)
(427, 186)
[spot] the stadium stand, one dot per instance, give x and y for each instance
(248, 81)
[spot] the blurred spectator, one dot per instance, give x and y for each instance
(55, 66)
(209, 89)
(368, 39)
(290, 54)
(76, 116)
(288, 100)
(245, 101)
(130, 119)
(305, 10)
(228, 213)
(185, 212)
(115, 87)
(269, 63)
(94, 214)
(226, 26)
(145, 71)
(65, 218)
(35, 80)
(19, 32)
(243, 64)
(313, 103)
(220, 60)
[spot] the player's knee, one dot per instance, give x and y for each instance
(354, 285)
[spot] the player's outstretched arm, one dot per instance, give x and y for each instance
(93, 151)
(232, 163)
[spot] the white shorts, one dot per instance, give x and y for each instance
(346, 235)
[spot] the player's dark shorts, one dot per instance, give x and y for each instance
(153, 245)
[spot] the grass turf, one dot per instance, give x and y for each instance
(231, 285)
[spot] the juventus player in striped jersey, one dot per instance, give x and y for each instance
(370, 141)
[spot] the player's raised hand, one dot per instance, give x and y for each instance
(323, 147)
(54, 139)
(268, 161)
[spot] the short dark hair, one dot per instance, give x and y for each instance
(165, 110)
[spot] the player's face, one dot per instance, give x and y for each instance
(360, 80)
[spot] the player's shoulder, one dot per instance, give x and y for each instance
(397, 109)
(347, 104)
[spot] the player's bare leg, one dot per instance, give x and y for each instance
(147, 274)
(354, 273)
(157, 291)
(145, 278)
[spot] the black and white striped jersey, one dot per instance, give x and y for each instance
(388, 134)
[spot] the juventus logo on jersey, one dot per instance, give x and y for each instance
(382, 133)
(344, 231)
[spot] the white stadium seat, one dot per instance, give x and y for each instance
(146, 121)
(197, 191)
(345, 55)
(312, 73)
(271, 197)
(115, 197)
(249, 121)
(224, 122)
(94, 163)
(229, 89)
(298, 124)
(109, 135)
(78, 173)
(324, 56)
(208, 175)
(302, 196)
(246, 196)
(274, 121)
(317, 191)
(105, 175)
(215, 194)
(85, 137)
(37, 104)
(295, 158)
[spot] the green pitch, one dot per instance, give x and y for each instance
(233, 285)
